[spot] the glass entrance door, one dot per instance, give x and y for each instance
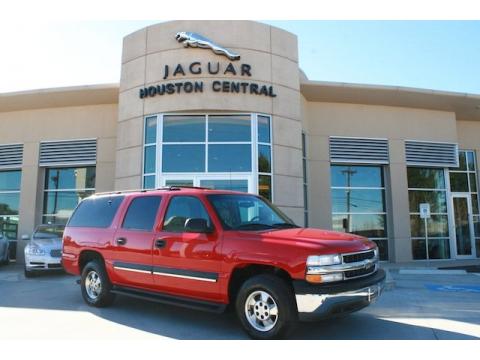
(463, 225)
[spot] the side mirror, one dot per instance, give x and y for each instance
(25, 237)
(197, 225)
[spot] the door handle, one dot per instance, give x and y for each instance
(160, 243)
(121, 241)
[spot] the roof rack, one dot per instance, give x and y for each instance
(166, 188)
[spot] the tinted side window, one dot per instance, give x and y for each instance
(141, 213)
(182, 208)
(96, 212)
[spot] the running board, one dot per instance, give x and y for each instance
(171, 299)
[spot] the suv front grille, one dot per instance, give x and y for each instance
(351, 258)
(56, 253)
(359, 272)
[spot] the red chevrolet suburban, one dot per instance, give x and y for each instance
(206, 249)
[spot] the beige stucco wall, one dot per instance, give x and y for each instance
(396, 124)
(469, 137)
(273, 56)
(30, 127)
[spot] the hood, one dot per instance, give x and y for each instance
(327, 241)
(52, 243)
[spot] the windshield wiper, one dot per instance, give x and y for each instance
(285, 225)
(253, 226)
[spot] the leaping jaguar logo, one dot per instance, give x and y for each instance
(194, 40)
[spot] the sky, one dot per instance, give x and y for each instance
(440, 55)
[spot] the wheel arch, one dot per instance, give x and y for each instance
(88, 255)
(244, 272)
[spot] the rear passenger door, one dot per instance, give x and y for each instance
(187, 263)
(133, 242)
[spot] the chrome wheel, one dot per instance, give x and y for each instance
(261, 311)
(93, 285)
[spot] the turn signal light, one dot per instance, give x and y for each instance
(317, 279)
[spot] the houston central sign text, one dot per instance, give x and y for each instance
(213, 68)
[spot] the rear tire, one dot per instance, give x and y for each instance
(96, 286)
(266, 307)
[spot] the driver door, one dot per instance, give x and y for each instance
(187, 263)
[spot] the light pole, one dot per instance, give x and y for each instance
(349, 173)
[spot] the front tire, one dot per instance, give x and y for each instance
(266, 307)
(96, 286)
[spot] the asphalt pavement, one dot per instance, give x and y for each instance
(418, 306)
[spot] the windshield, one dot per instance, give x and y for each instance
(48, 232)
(248, 212)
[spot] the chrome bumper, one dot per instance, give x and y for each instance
(335, 300)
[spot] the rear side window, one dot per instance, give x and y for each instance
(141, 213)
(96, 212)
(182, 208)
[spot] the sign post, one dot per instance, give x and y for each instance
(425, 215)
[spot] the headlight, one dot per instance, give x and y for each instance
(375, 253)
(316, 272)
(324, 260)
(34, 250)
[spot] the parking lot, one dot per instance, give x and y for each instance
(418, 307)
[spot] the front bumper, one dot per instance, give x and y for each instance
(316, 302)
(42, 262)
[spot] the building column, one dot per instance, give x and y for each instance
(30, 194)
(319, 182)
(399, 234)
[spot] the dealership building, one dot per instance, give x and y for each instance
(224, 104)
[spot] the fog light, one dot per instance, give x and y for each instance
(324, 278)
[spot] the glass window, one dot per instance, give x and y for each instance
(368, 225)
(436, 199)
(247, 212)
(149, 182)
(229, 128)
(437, 226)
(149, 166)
(183, 158)
(265, 186)
(141, 213)
(9, 203)
(64, 189)
(433, 181)
(471, 160)
(229, 158)
(473, 182)
(70, 178)
(358, 203)
(233, 185)
(425, 178)
(10, 180)
(62, 203)
(96, 212)
(184, 128)
(459, 182)
(357, 176)
(264, 159)
(182, 208)
(151, 130)
(263, 129)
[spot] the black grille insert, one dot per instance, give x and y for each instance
(351, 258)
(359, 272)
